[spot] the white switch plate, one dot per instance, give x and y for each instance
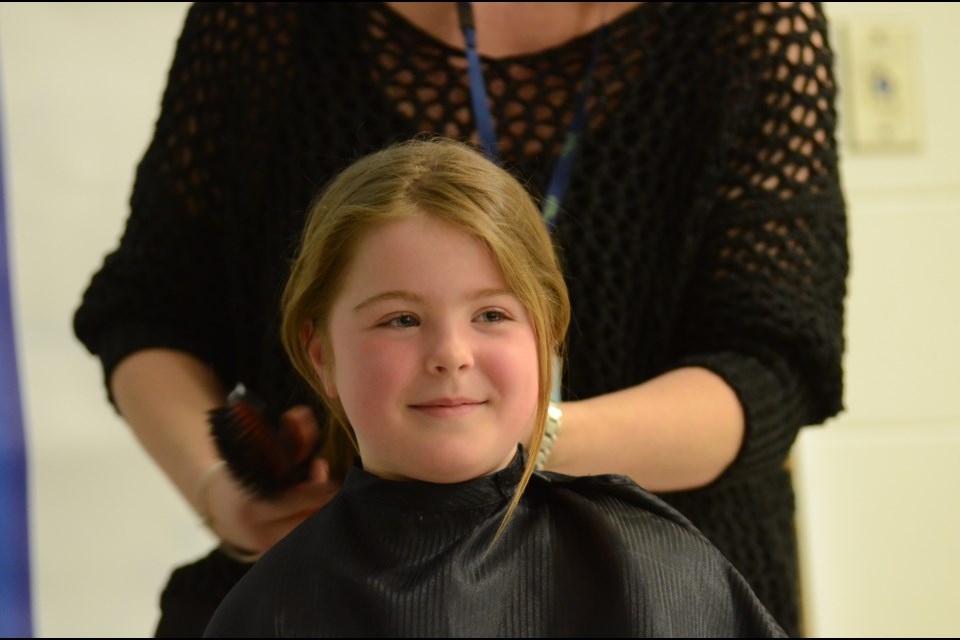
(882, 87)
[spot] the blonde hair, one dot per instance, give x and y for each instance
(448, 181)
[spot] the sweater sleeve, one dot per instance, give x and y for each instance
(160, 287)
(766, 305)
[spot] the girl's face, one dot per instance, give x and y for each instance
(434, 359)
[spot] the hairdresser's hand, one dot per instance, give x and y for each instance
(246, 523)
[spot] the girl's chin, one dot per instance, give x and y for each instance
(460, 469)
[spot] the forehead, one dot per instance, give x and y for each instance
(421, 250)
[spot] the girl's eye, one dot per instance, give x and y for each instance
(404, 321)
(492, 316)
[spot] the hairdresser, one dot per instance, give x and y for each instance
(698, 215)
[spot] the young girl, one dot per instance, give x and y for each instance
(425, 307)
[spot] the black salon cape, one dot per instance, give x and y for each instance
(590, 556)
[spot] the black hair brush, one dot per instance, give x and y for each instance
(263, 455)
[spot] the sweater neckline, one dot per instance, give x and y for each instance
(491, 489)
(560, 50)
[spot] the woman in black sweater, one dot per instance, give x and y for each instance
(703, 239)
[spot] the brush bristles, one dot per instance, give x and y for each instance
(255, 450)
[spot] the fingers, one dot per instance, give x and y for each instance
(260, 538)
(256, 525)
(301, 429)
(306, 497)
(320, 471)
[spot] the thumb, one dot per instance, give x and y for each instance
(301, 430)
(320, 471)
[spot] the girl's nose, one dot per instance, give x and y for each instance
(451, 352)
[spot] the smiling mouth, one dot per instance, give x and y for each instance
(448, 408)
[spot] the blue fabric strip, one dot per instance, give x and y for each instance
(484, 119)
(478, 97)
(15, 610)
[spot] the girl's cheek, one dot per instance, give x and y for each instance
(382, 360)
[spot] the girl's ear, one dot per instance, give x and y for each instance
(322, 362)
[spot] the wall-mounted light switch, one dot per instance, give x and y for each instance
(882, 88)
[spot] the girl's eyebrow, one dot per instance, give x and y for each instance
(489, 293)
(389, 295)
(409, 296)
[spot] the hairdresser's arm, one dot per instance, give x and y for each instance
(164, 396)
(678, 431)
(765, 305)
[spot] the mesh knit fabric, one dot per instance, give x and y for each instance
(704, 223)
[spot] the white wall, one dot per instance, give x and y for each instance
(877, 488)
(82, 85)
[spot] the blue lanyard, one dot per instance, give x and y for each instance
(484, 119)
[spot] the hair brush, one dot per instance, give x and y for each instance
(262, 453)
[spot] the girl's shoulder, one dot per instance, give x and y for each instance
(617, 496)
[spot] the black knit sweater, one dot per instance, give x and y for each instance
(704, 224)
